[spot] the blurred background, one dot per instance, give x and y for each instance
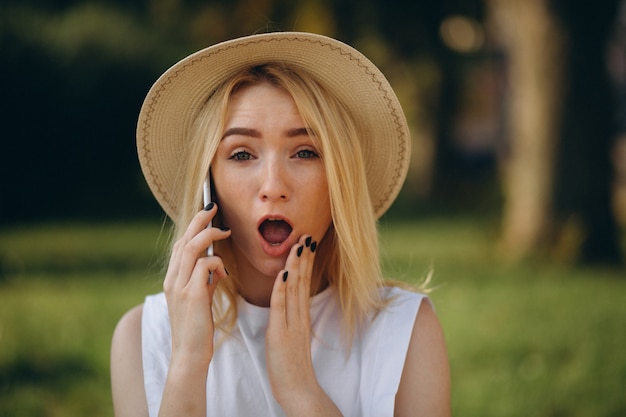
(516, 197)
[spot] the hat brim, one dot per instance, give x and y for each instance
(174, 100)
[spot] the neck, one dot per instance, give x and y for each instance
(257, 288)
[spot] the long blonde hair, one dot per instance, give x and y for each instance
(348, 256)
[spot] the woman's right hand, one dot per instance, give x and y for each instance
(189, 301)
(189, 294)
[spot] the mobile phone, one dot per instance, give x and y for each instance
(206, 196)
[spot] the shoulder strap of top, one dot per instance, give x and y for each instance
(387, 344)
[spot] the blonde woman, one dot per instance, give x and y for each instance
(304, 145)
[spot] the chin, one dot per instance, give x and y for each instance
(258, 263)
(272, 268)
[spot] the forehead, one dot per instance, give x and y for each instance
(254, 104)
(262, 103)
(261, 88)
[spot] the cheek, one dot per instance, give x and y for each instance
(227, 195)
(228, 210)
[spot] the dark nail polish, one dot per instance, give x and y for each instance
(313, 246)
(300, 251)
(224, 229)
(285, 275)
(226, 270)
(307, 242)
(209, 206)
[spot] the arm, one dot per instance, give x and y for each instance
(185, 386)
(189, 295)
(425, 383)
(129, 396)
(189, 300)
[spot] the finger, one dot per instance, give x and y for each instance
(194, 249)
(306, 265)
(301, 262)
(173, 267)
(297, 291)
(277, 299)
(306, 273)
(205, 267)
(217, 274)
(197, 224)
(200, 221)
(293, 281)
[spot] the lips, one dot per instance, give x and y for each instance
(275, 230)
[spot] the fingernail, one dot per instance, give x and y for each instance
(307, 242)
(226, 270)
(224, 229)
(313, 246)
(209, 206)
(300, 250)
(285, 275)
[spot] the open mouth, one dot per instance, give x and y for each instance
(275, 231)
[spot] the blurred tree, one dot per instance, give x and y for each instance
(533, 41)
(404, 39)
(74, 73)
(73, 76)
(72, 81)
(558, 174)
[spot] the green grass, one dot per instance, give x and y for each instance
(529, 340)
(62, 290)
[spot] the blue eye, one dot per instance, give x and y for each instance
(306, 154)
(241, 156)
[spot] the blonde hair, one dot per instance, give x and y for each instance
(348, 256)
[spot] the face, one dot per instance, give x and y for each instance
(270, 181)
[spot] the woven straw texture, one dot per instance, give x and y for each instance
(173, 101)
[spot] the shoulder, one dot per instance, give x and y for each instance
(390, 292)
(129, 321)
(425, 382)
(401, 302)
(127, 333)
(127, 386)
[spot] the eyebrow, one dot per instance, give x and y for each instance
(300, 131)
(253, 133)
(241, 131)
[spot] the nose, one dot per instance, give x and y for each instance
(274, 182)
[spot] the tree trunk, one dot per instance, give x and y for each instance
(533, 43)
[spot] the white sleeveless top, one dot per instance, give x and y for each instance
(363, 383)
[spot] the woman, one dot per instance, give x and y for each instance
(306, 146)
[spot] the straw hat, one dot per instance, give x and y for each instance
(174, 100)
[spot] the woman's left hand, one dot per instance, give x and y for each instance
(288, 339)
